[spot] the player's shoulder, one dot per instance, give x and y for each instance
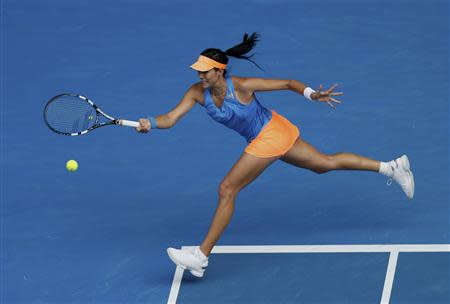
(239, 82)
(197, 89)
(197, 92)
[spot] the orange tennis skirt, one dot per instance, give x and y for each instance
(275, 139)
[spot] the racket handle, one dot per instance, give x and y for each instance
(129, 123)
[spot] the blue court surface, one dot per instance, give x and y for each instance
(99, 235)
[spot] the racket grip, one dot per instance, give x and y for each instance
(129, 123)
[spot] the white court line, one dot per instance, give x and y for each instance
(392, 249)
(389, 280)
(176, 283)
(332, 248)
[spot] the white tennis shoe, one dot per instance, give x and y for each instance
(402, 175)
(191, 259)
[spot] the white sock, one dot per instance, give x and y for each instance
(201, 254)
(386, 169)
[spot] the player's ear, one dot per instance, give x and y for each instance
(219, 72)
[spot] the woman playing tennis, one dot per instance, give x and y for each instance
(232, 102)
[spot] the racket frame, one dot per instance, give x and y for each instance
(97, 124)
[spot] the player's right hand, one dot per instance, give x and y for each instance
(144, 125)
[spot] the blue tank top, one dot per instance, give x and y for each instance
(246, 119)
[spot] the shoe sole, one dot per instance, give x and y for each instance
(194, 272)
(405, 161)
(412, 182)
(405, 164)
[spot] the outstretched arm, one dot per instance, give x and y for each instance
(169, 119)
(251, 85)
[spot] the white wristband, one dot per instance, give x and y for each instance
(307, 93)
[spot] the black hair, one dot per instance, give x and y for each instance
(237, 51)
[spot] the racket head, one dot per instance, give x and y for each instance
(71, 114)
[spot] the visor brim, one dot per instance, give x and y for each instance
(201, 66)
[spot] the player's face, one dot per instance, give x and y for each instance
(210, 78)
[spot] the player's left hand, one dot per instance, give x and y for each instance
(327, 96)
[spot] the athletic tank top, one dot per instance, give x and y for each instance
(246, 119)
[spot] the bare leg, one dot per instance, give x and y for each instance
(304, 155)
(246, 169)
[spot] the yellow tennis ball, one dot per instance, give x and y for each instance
(72, 165)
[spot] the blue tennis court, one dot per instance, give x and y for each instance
(99, 235)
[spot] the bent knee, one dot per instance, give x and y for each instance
(227, 190)
(319, 170)
(326, 164)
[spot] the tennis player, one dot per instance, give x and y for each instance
(231, 101)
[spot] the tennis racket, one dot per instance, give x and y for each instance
(73, 114)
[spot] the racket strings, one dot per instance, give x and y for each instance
(70, 114)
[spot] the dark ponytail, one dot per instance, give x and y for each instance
(247, 44)
(237, 51)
